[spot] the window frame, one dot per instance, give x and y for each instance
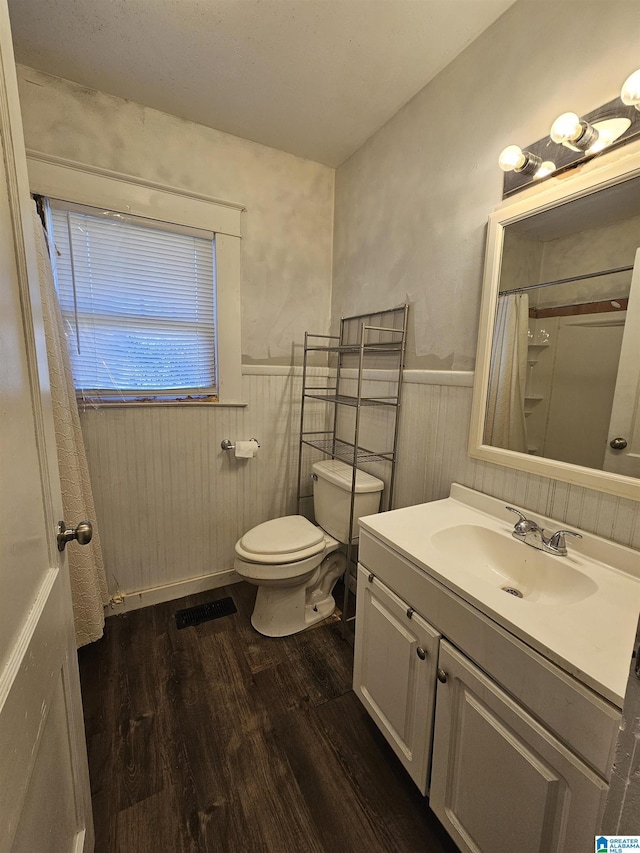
(67, 181)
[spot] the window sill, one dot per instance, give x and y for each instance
(84, 405)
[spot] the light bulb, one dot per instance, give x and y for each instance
(572, 132)
(514, 159)
(546, 168)
(511, 158)
(630, 92)
(566, 128)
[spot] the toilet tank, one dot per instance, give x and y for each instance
(332, 497)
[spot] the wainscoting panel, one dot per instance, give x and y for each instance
(171, 504)
(433, 454)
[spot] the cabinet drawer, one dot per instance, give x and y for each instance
(586, 722)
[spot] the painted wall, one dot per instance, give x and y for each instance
(287, 227)
(170, 504)
(411, 212)
(412, 203)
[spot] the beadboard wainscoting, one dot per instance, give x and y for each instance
(434, 427)
(171, 504)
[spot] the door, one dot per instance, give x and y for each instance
(624, 456)
(44, 785)
(500, 781)
(394, 673)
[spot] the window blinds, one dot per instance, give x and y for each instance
(138, 302)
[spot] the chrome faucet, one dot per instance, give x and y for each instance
(530, 533)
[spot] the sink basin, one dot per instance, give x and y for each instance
(518, 569)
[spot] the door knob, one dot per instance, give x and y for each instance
(618, 443)
(82, 533)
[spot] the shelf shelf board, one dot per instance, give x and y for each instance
(346, 452)
(347, 400)
(388, 346)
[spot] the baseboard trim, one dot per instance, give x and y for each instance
(128, 601)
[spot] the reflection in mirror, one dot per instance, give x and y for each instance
(565, 358)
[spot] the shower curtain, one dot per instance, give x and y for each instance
(505, 424)
(88, 581)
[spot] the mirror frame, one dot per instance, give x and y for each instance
(608, 169)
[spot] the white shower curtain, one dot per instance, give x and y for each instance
(505, 424)
(88, 580)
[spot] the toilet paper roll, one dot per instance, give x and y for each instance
(246, 449)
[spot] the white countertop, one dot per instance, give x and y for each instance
(591, 638)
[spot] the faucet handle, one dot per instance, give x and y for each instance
(523, 517)
(557, 543)
(524, 525)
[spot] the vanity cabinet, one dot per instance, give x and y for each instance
(517, 754)
(500, 780)
(395, 673)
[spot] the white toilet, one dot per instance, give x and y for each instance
(295, 563)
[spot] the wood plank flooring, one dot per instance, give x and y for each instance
(215, 739)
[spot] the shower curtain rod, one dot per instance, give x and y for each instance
(564, 280)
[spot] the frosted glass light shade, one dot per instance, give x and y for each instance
(630, 92)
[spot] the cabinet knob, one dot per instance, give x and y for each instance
(421, 653)
(442, 675)
(410, 612)
(371, 577)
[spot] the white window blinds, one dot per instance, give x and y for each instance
(138, 302)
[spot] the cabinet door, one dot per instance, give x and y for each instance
(500, 781)
(396, 656)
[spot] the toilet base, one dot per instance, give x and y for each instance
(277, 619)
(280, 611)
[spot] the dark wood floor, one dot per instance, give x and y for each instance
(218, 739)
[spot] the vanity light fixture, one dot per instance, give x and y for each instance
(574, 138)
(630, 92)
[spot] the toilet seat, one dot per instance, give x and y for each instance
(289, 539)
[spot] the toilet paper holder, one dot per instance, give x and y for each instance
(227, 444)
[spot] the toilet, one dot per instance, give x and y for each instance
(294, 563)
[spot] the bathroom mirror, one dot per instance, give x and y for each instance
(557, 383)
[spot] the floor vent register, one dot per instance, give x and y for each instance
(205, 612)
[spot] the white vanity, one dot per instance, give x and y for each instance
(503, 709)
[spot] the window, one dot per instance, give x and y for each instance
(152, 211)
(138, 302)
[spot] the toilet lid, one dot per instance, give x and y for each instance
(285, 535)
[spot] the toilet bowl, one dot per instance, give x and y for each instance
(295, 585)
(295, 563)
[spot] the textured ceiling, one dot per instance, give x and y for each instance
(312, 77)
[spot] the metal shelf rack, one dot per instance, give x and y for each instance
(370, 349)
